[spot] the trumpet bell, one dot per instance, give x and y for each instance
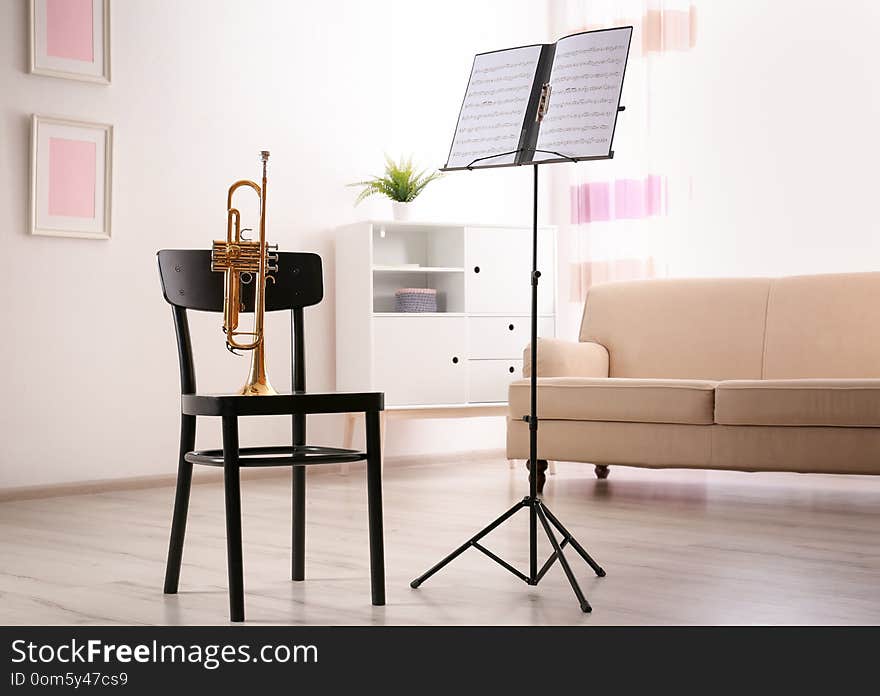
(257, 389)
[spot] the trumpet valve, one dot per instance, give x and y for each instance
(241, 257)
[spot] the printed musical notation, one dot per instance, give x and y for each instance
(586, 78)
(494, 106)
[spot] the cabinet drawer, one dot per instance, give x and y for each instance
(420, 360)
(503, 337)
(488, 379)
(498, 267)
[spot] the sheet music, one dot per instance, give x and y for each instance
(494, 106)
(586, 80)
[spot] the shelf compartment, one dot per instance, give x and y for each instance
(449, 287)
(429, 247)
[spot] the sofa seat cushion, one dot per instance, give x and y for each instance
(799, 402)
(618, 399)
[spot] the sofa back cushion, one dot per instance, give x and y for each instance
(680, 328)
(823, 326)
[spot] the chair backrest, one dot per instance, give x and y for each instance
(189, 283)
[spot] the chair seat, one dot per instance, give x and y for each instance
(279, 456)
(281, 404)
(621, 399)
(799, 402)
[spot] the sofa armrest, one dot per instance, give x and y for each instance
(558, 358)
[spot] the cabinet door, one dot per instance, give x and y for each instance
(498, 270)
(420, 360)
(503, 337)
(489, 379)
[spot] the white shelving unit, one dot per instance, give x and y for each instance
(463, 356)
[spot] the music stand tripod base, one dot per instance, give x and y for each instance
(536, 507)
(538, 511)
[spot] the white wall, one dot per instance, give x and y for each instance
(785, 139)
(199, 87)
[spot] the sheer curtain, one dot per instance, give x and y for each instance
(619, 213)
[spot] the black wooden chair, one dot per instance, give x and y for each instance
(189, 283)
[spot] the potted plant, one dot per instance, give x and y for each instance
(402, 183)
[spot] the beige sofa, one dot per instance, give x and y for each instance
(752, 374)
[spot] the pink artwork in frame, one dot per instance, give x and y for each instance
(70, 39)
(71, 178)
(69, 29)
(72, 167)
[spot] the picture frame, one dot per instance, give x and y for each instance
(70, 39)
(71, 178)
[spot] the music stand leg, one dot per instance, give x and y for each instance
(466, 545)
(585, 605)
(574, 542)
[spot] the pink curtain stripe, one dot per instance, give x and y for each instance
(591, 202)
(669, 30)
(633, 199)
(69, 29)
(653, 195)
(599, 196)
(72, 169)
(629, 199)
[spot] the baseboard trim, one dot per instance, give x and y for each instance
(213, 475)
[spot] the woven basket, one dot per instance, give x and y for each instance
(415, 300)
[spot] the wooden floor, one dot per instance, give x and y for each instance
(680, 547)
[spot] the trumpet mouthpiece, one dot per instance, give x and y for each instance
(264, 155)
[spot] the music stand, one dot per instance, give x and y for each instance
(538, 510)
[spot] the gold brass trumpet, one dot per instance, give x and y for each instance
(246, 261)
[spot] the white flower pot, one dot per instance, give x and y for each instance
(401, 211)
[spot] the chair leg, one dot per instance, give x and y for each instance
(374, 506)
(383, 431)
(232, 487)
(347, 440)
(298, 529)
(298, 505)
(181, 504)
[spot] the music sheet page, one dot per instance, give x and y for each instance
(586, 79)
(494, 106)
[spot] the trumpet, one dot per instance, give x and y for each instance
(245, 261)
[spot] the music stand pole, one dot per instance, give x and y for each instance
(533, 387)
(538, 511)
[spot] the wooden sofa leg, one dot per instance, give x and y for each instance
(601, 471)
(542, 475)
